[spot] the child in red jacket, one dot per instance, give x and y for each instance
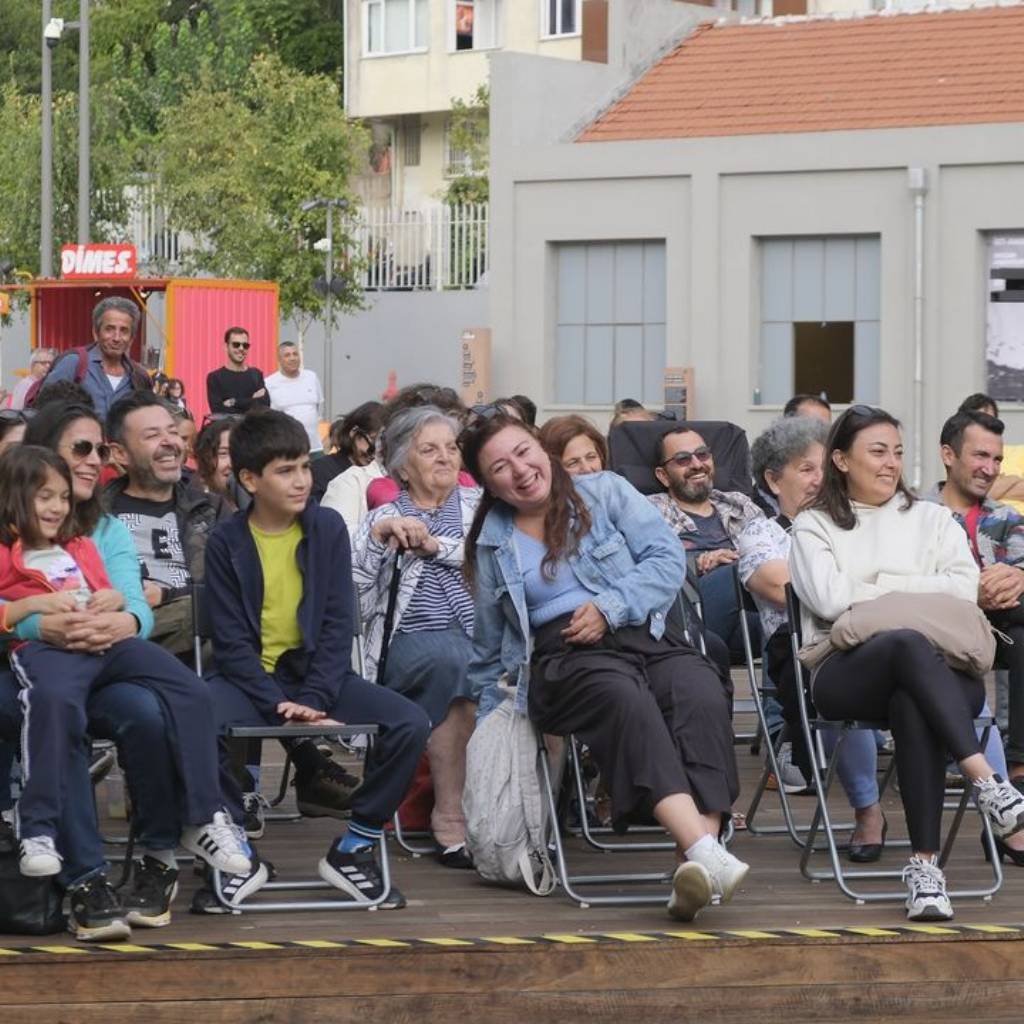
(46, 568)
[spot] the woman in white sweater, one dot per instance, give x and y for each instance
(866, 536)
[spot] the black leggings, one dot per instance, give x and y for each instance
(900, 678)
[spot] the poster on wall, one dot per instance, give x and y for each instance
(1004, 336)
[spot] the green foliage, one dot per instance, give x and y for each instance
(236, 166)
(469, 133)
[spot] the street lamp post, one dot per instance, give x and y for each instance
(46, 171)
(53, 31)
(330, 205)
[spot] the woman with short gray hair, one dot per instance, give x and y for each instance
(431, 635)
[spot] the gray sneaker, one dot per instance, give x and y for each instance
(791, 778)
(1002, 803)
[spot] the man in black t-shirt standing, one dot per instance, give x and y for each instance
(235, 387)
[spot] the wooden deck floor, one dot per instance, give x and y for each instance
(784, 949)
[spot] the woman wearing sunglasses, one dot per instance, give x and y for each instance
(128, 713)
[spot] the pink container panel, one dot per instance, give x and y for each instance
(198, 314)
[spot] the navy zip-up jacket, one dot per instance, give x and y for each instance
(314, 673)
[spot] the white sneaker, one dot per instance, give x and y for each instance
(220, 843)
(726, 871)
(1002, 803)
(692, 890)
(926, 891)
(39, 857)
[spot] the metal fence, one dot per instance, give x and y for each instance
(431, 249)
(422, 250)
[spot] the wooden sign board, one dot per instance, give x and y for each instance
(679, 393)
(475, 366)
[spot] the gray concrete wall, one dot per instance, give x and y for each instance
(416, 334)
(710, 200)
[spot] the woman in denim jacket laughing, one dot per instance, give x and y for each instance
(589, 570)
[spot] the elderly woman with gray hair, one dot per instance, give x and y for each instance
(430, 645)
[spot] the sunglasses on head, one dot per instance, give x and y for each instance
(16, 415)
(683, 459)
(83, 449)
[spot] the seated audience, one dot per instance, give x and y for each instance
(980, 402)
(384, 489)
(353, 438)
(430, 644)
(972, 451)
(576, 443)
(279, 583)
(707, 522)
(589, 568)
(867, 536)
(788, 457)
(627, 409)
(12, 428)
(809, 405)
(213, 460)
(49, 566)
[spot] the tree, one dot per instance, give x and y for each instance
(235, 168)
(469, 132)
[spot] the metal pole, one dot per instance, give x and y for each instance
(918, 182)
(328, 328)
(46, 170)
(84, 154)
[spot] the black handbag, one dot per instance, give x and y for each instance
(28, 906)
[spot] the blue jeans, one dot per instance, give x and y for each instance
(721, 613)
(78, 837)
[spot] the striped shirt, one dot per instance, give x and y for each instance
(441, 594)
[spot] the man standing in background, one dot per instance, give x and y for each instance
(297, 392)
(235, 387)
(38, 367)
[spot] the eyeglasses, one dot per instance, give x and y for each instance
(683, 459)
(83, 449)
(239, 344)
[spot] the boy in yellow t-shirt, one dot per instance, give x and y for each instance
(279, 580)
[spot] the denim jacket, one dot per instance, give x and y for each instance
(630, 560)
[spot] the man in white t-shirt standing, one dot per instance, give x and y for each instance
(297, 392)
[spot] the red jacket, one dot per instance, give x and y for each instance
(17, 581)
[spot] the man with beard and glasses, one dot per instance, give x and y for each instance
(708, 522)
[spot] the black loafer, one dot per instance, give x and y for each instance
(867, 853)
(455, 857)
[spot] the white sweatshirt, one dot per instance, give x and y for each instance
(921, 550)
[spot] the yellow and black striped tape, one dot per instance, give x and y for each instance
(972, 931)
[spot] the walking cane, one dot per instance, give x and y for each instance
(389, 617)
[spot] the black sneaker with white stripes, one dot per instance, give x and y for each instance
(236, 888)
(358, 874)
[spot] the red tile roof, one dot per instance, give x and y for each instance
(814, 75)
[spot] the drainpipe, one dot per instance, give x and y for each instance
(917, 182)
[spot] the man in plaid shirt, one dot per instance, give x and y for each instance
(972, 452)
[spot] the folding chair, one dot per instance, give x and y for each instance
(823, 770)
(203, 630)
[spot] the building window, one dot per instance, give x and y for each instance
(1004, 336)
(609, 322)
(560, 17)
(475, 24)
(820, 313)
(395, 26)
(458, 162)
